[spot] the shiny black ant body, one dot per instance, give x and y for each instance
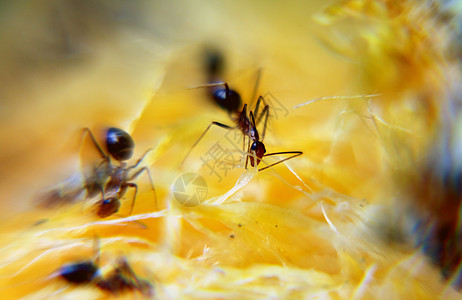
(245, 122)
(121, 279)
(80, 272)
(226, 98)
(231, 101)
(120, 146)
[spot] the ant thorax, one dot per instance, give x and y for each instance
(112, 181)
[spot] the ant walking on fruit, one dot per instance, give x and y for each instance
(230, 100)
(113, 181)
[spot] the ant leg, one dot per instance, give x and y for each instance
(133, 185)
(202, 135)
(98, 147)
(125, 269)
(265, 112)
(150, 181)
(216, 84)
(105, 162)
(123, 266)
(255, 88)
(247, 155)
(243, 148)
(257, 107)
(213, 85)
(295, 154)
(140, 160)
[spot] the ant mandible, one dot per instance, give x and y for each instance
(120, 146)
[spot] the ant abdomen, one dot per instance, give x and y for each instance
(119, 144)
(78, 273)
(108, 207)
(228, 99)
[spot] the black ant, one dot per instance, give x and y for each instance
(257, 150)
(231, 100)
(120, 146)
(121, 279)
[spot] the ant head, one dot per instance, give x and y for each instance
(228, 99)
(119, 144)
(78, 273)
(257, 149)
(108, 207)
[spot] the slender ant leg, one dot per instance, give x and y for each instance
(140, 159)
(104, 156)
(99, 184)
(255, 88)
(202, 135)
(133, 185)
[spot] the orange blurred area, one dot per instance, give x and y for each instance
(360, 87)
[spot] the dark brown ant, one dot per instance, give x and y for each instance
(79, 272)
(231, 101)
(120, 146)
(121, 279)
(226, 98)
(257, 150)
(246, 124)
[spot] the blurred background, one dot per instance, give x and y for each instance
(380, 169)
(66, 65)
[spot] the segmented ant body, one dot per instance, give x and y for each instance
(120, 146)
(230, 100)
(121, 279)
